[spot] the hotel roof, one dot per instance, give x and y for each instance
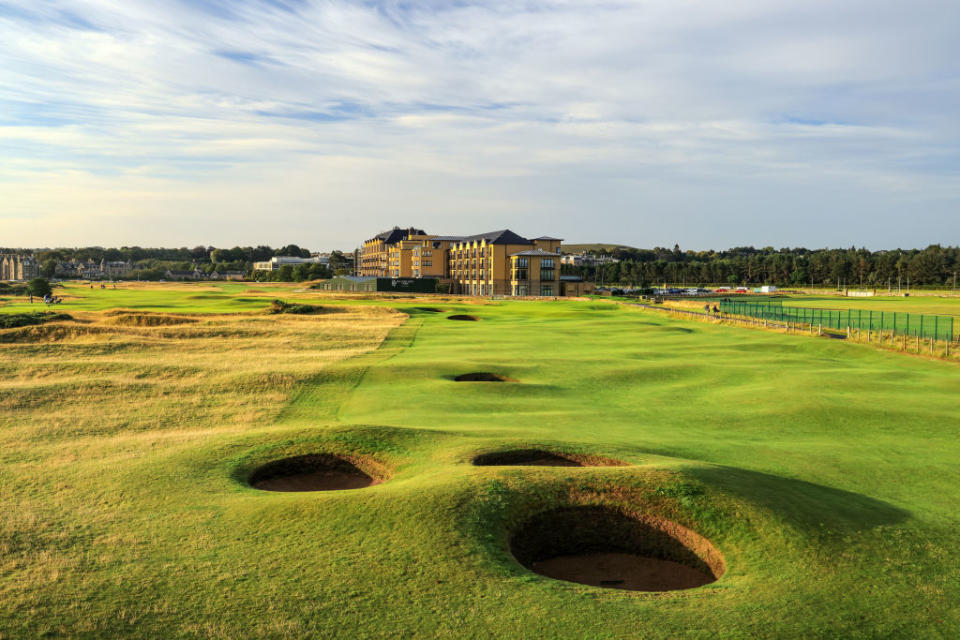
(536, 252)
(503, 236)
(397, 234)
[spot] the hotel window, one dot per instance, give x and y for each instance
(520, 269)
(522, 290)
(546, 269)
(546, 290)
(428, 263)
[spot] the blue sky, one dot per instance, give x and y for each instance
(708, 124)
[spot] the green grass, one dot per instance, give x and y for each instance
(825, 472)
(946, 304)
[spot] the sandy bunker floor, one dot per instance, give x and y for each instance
(622, 571)
(606, 547)
(319, 472)
(541, 458)
(483, 376)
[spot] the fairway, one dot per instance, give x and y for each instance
(820, 477)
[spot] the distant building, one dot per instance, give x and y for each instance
(575, 286)
(586, 259)
(196, 274)
(115, 269)
(373, 283)
(90, 270)
(494, 263)
(376, 258)
(276, 262)
(504, 263)
(17, 267)
(227, 275)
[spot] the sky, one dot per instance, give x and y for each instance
(694, 122)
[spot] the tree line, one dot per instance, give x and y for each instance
(935, 266)
(153, 263)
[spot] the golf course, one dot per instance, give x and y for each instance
(147, 443)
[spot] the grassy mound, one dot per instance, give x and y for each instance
(825, 471)
(10, 289)
(14, 320)
(142, 319)
(279, 306)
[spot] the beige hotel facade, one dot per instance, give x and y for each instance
(496, 263)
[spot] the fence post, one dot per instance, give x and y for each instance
(820, 329)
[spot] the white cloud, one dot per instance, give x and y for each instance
(705, 123)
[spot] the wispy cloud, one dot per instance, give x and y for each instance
(700, 122)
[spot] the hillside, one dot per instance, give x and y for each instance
(596, 246)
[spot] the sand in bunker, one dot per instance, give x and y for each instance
(546, 460)
(483, 376)
(315, 481)
(541, 458)
(622, 571)
(312, 472)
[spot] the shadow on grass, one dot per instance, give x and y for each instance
(804, 505)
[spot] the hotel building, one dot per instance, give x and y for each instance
(498, 263)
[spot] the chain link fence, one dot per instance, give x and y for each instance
(902, 324)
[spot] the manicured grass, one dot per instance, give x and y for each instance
(825, 472)
(947, 305)
(199, 297)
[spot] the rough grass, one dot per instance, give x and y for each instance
(15, 320)
(825, 473)
(279, 306)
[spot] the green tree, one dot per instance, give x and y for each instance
(39, 287)
(284, 273)
(48, 268)
(339, 263)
